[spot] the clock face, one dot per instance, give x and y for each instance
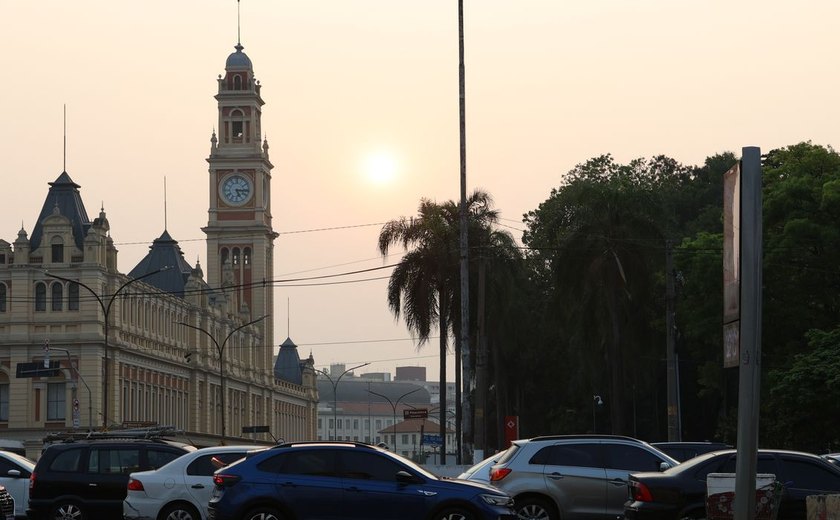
(236, 190)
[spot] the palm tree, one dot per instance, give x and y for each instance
(421, 286)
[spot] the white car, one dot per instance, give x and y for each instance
(14, 476)
(481, 471)
(181, 489)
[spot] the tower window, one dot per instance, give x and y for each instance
(246, 257)
(225, 254)
(40, 296)
(57, 251)
(57, 296)
(235, 256)
(237, 129)
(237, 82)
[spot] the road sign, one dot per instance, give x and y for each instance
(415, 413)
(36, 369)
(430, 439)
(255, 429)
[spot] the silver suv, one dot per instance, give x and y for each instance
(573, 477)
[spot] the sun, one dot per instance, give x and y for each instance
(380, 168)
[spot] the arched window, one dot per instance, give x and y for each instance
(237, 82)
(225, 254)
(57, 296)
(246, 257)
(40, 296)
(237, 125)
(235, 256)
(73, 296)
(2, 297)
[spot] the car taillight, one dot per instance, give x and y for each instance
(498, 474)
(640, 492)
(223, 480)
(135, 485)
(31, 481)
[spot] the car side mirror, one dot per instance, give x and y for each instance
(14, 473)
(663, 466)
(404, 477)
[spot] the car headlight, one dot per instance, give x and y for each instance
(498, 500)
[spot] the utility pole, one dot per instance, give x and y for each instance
(674, 430)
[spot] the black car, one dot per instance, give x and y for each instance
(680, 492)
(82, 480)
(683, 451)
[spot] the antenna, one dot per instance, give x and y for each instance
(238, 38)
(288, 319)
(64, 165)
(165, 225)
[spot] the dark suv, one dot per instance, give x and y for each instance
(80, 480)
(345, 480)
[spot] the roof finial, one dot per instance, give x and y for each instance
(165, 225)
(64, 165)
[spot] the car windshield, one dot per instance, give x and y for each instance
(692, 463)
(411, 464)
(23, 461)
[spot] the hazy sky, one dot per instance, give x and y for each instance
(355, 86)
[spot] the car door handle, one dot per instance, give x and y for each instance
(618, 482)
(555, 476)
(91, 484)
(288, 484)
(354, 489)
(197, 486)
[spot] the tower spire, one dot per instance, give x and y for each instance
(165, 223)
(64, 160)
(238, 38)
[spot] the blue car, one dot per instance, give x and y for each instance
(345, 480)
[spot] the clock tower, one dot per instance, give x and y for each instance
(240, 239)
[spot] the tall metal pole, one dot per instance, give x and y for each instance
(220, 349)
(106, 311)
(749, 372)
(674, 433)
(335, 394)
(82, 379)
(466, 379)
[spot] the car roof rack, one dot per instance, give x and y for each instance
(150, 433)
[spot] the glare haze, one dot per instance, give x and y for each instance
(361, 117)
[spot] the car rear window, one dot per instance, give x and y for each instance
(158, 458)
(67, 460)
(205, 465)
(509, 454)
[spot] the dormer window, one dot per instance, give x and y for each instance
(57, 250)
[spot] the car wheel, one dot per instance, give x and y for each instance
(179, 512)
(454, 513)
(67, 511)
(534, 509)
(263, 513)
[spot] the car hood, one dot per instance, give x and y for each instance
(478, 487)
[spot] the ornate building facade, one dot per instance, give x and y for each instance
(160, 345)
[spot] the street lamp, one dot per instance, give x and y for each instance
(335, 394)
(394, 408)
(106, 310)
(220, 349)
(596, 400)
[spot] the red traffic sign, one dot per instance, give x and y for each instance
(415, 413)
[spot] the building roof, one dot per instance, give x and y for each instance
(351, 390)
(415, 426)
(238, 60)
(64, 196)
(287, 364)
(164, 252)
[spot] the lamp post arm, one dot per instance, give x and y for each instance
(80, 284)
(237, 329)
(129, 282)
(199, 329)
